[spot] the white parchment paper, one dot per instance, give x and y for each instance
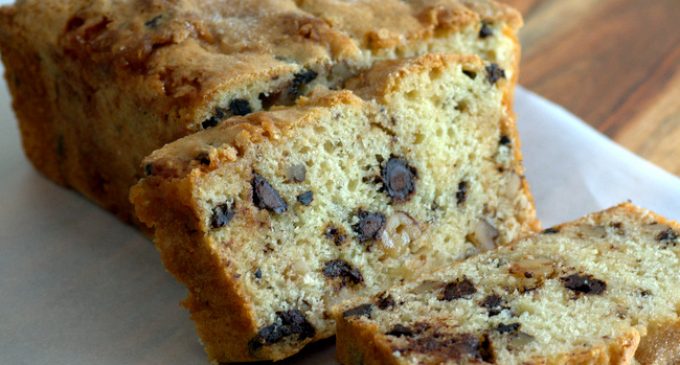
(79, 287)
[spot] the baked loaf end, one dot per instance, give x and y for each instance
(600, 290)
(98, 85)
(272, 218)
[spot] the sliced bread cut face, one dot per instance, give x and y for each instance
(600, 290)
(273, 218)
(99, 85)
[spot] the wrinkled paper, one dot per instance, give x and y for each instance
(79, 287)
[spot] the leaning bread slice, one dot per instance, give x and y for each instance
(600, 290)
(272, 218)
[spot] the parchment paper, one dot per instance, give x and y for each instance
(78, 287)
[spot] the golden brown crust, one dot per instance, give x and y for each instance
(215, 299)
(357, 344)
(660, 345)
(382, 80)
(40, 140)
(619, 351)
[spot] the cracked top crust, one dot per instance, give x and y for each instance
(189, 49)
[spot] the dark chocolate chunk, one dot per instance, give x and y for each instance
(240, 107)
(203, 158)
(667, 236)
(148, 169)
(453, 347)
(470, 74)
(154, 22)
(551, 230)
(215, 119)
(301, 79)
(336, 234)
(505, 140)
(486, 351)
(400, 330)
(485, 31)
(289, 323)
(363, 310)
(222, 215)
(494, 73)
(493, 303)
(370, 226)
(258, 273)
(385, 301)
(342, 269)
(461, 288)
(399, 179)
(461, 194)
(584, 284)
(508, 328)
(306, 198)
(266, 197)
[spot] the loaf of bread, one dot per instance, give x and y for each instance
(273, 218)
(600, 290)
(98, 85)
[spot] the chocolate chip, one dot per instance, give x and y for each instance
(505, 140)
(552, 230)
(493, 303)
(494, 73)
(266, 197)
(240, 107)
(297, 173)
(470, 74)
(203, 158)
(618, 228)
(215, 119)
(486, 351)
(343, 270)
(153, 22)
(258, 273)
(400, 330)
(584, 284)
(461, 288)
(299, 81)
(148, 169)
(289, 323)
(363, 310)
(485, 31)
(508, 328)
(306, 198)
(399, 179)
(385, 301)
(337, 235)
(222, 215)
(461, 194)
(667, 236)
(449, 347)
(369, 227)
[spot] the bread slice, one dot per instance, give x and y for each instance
(98, 85)
(272, 218)
(600, 290)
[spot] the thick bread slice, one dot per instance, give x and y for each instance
(98, 85)
(600, 290)
(272, 218)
